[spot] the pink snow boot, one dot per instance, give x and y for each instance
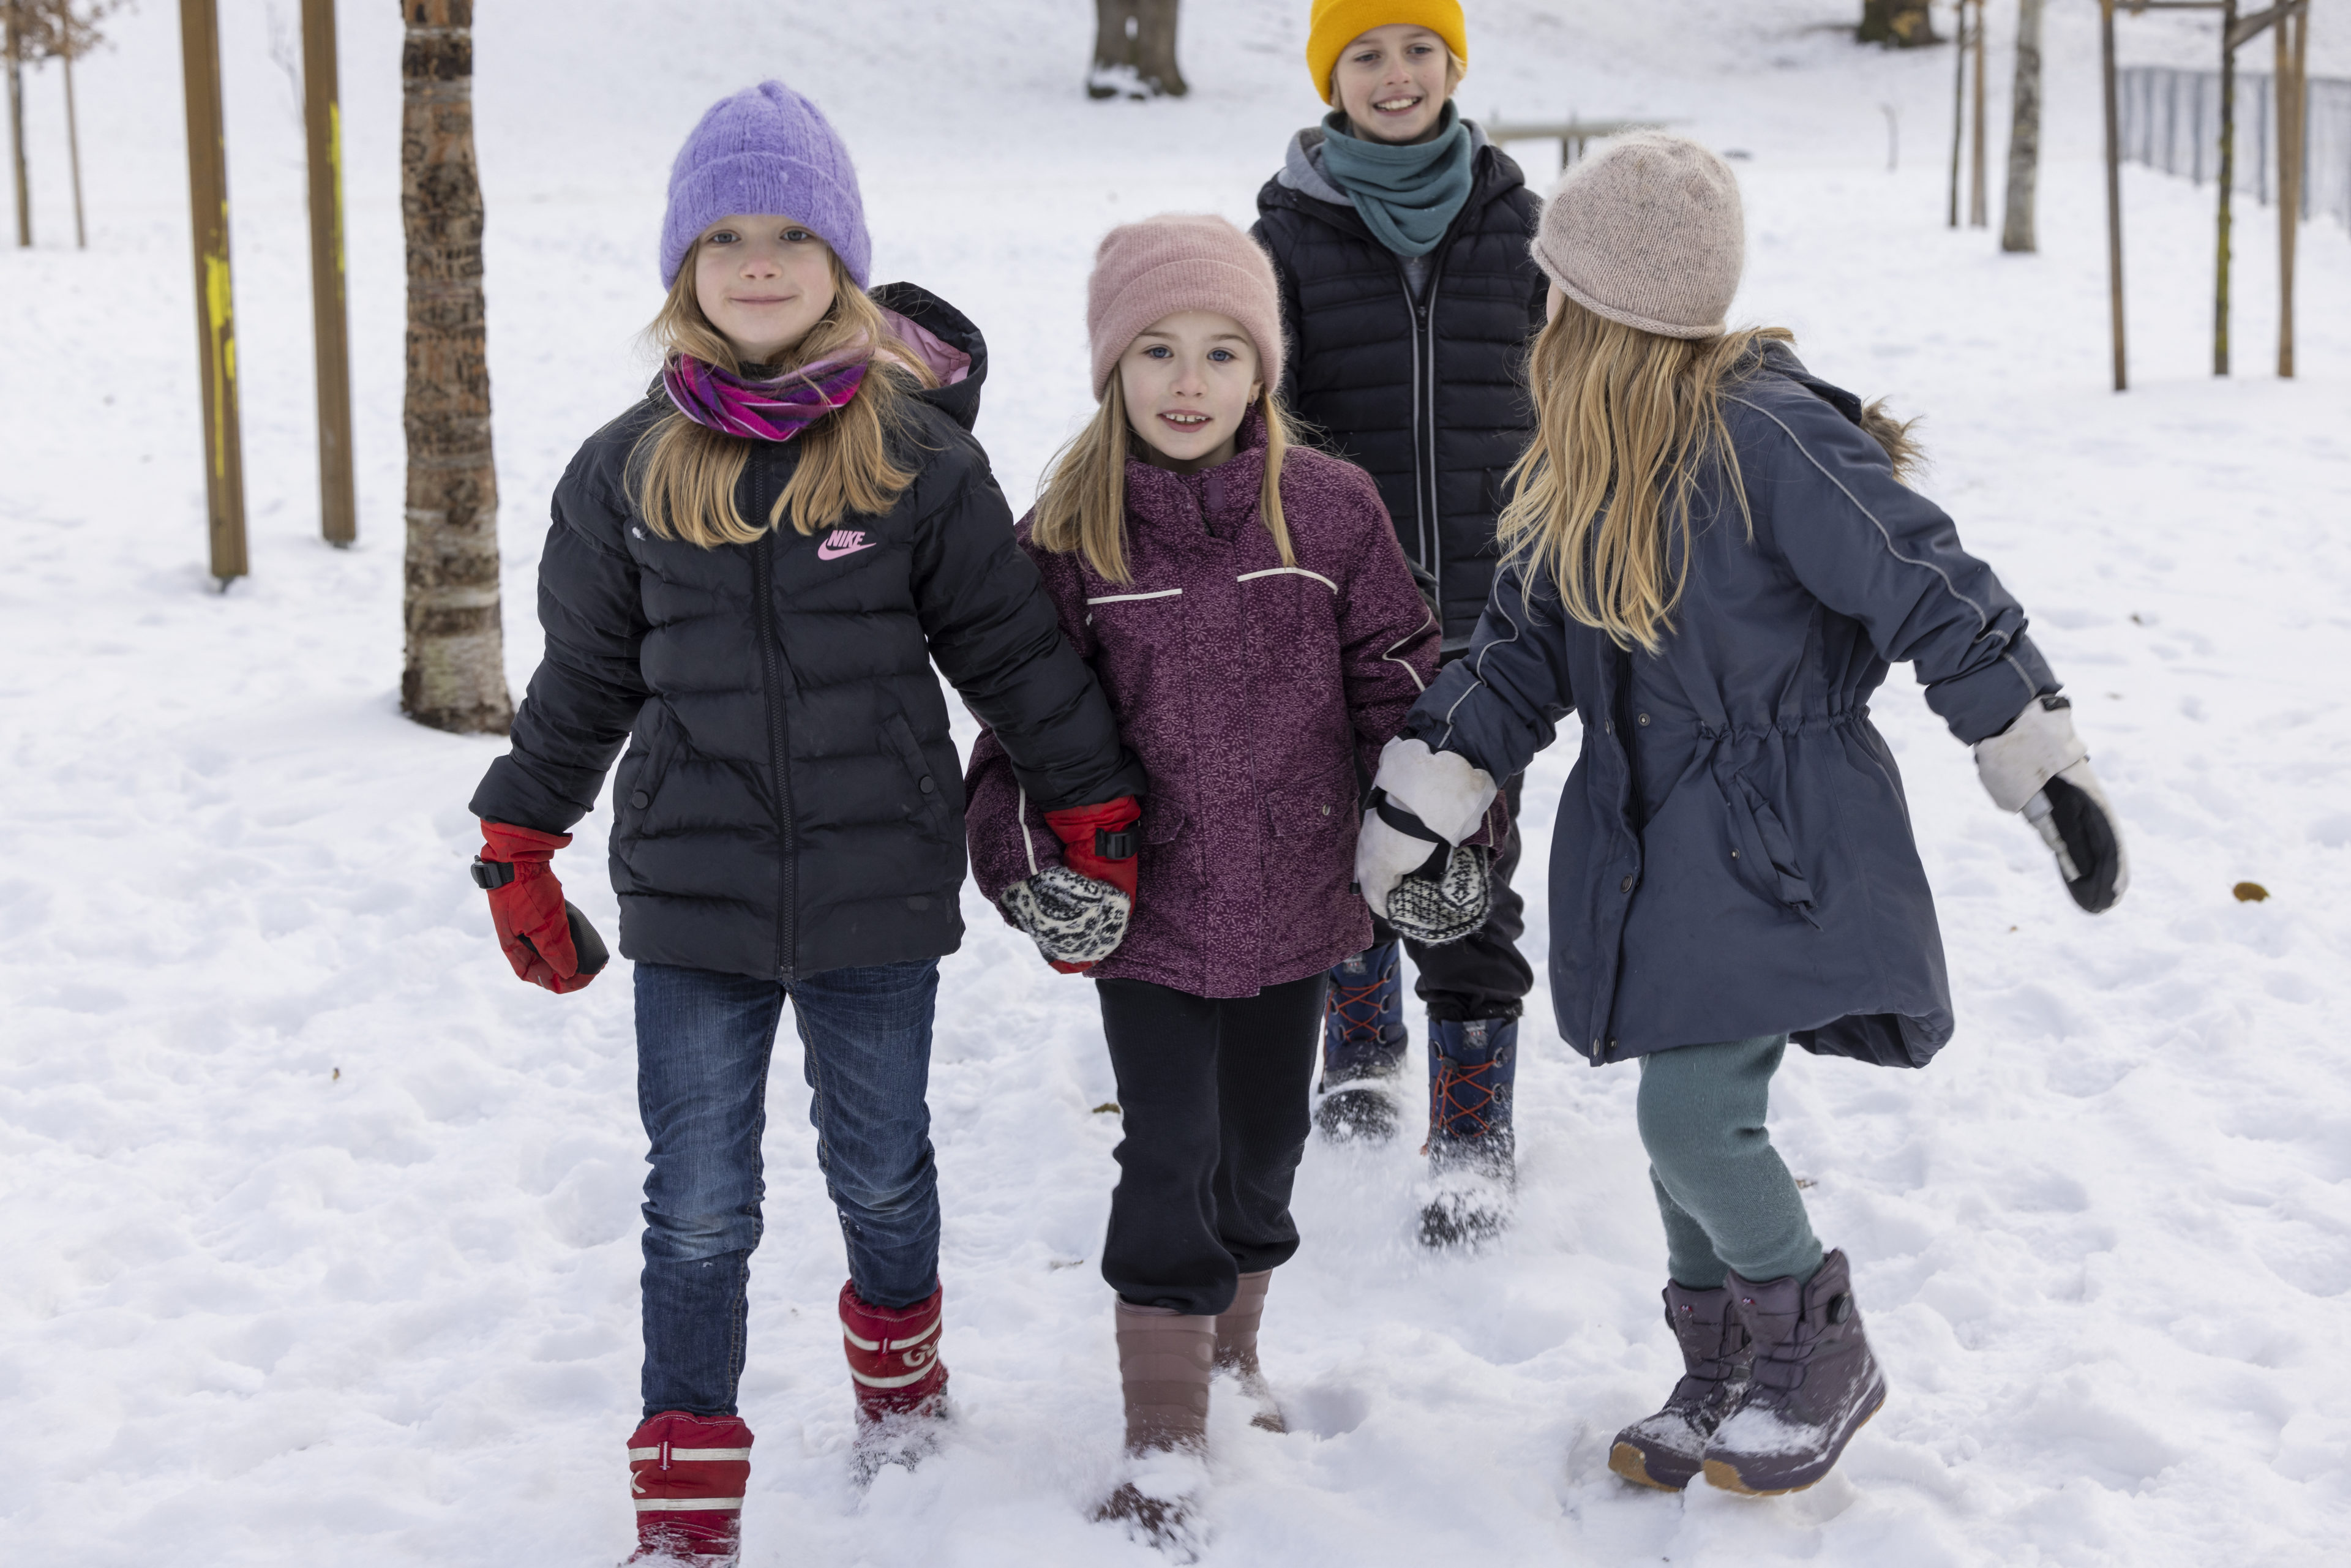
(687, 1474)
(901, 1384)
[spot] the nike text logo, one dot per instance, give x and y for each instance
(842, 542)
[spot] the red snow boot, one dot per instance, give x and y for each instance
(901, 1384)
(687, 1474)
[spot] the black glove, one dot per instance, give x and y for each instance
(2038, 766)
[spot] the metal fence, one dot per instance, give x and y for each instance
(2171, 121)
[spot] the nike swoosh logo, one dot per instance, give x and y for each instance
(829, 551)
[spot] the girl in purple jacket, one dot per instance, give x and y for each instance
(1247, 609)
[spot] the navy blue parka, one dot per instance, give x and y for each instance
(1733, 855)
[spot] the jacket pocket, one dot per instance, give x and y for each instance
(637, 782)
(1169, 852)
(1313, 810)
(930, 805)
(1764, 850)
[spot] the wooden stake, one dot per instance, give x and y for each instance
(73, 148)
(1958, 102)
(330, 332)
(215, 315)
(2291, 57)
(16, 40)
(2114, 195)
(1976, 217)
(2227, 179)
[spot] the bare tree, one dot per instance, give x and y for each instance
(453, 675)
(1134, 50)
(2025, 131)
(13, 33)
(1901, 24)
(63, 31)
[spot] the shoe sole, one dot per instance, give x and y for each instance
(1720, 1476)
(1633, 1465)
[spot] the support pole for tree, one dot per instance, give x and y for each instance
(1976, 209)
(215, 315)
(2228, 180)
(1958, 102)
(73, 147)
(2114, 194)
(2293, 58)
(13, 25)
(322, 119)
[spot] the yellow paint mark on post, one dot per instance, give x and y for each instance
(220, 317)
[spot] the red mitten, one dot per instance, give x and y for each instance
(1100, 841)
(526, 906)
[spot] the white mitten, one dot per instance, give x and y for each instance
(2038, 766)
(1074, 919)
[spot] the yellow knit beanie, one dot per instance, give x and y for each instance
(1338, 23)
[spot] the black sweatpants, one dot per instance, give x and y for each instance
(1214, 1101)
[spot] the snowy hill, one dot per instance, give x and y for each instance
(319, 1231)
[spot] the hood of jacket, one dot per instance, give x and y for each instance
(949, 342)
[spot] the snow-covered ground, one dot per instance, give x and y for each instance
(319, 1229)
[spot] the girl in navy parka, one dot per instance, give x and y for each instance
(1713, 560)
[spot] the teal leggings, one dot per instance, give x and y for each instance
(1727, 1198)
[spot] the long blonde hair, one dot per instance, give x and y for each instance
(1627, 424)
(1083, 505)
(683, 476)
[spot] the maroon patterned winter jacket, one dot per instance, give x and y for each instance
(1252, 692)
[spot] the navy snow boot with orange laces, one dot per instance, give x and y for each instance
(1471, 1148)
(1364, 1045)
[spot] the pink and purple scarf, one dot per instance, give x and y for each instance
(776, 409)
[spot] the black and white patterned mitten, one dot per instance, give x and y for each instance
(1074, 919)
(1436, 905)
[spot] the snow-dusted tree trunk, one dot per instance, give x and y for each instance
(453, 675)
(1134, 50)
(1903, 24)
(2025, 131)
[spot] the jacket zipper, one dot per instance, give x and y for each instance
(1430, 524)
(763, 554)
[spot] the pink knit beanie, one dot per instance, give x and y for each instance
(1180, 262)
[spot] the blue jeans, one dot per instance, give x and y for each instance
(703, 1040)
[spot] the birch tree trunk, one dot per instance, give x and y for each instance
(453, 675)
(2025, 131)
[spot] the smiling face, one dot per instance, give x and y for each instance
(1393, 83)
(763, 281)
(1189, 380)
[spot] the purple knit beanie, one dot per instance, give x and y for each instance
(767, 150)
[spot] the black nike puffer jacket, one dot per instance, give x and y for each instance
(790, 801)
(1428, 395)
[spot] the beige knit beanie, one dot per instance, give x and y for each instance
(1180, 262)
(1647, 230)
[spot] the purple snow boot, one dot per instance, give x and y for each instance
(1363, 1042)
(1667, 1449)
(1814, 1383)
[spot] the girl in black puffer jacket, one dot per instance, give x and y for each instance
(1400, 234)
(750, 576)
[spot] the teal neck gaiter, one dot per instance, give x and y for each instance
(1407, 195)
